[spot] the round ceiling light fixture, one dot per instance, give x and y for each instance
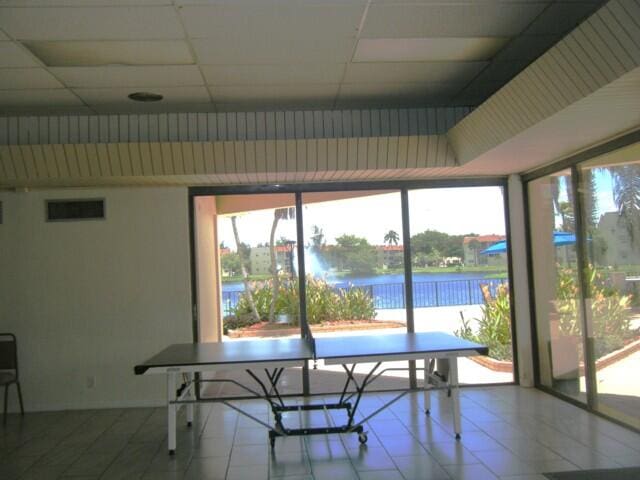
(145, 97)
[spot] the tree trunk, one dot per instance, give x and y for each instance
(274, 266)
(245, 274)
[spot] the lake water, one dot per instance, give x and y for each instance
(387, 291)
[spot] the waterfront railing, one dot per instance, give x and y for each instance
(392, 295)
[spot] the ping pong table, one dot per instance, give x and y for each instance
(274, 355)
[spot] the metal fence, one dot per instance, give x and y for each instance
(392, 295)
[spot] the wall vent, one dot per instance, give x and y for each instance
(71, 210)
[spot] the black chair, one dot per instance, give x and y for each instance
(9, 369)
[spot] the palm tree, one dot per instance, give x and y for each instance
(391, 237)
(278, 214)
(475, 245)
(245, 274)
(626, 195)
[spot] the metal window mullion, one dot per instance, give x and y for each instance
(408, 278)
(585, 292)
(302, 287)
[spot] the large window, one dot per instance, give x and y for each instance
(585, 236)
(352, 246)
(460, 274)
(557, 285)
(611, 223)
(354, 260)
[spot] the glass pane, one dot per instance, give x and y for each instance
(611, 218)
(259, 295)
(460, 274)
(354, 262)
(556, 284)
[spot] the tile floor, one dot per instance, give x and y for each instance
(508, 433)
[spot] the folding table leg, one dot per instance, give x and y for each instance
(191, 396)
(455, 394)
(171, 412)
(427, 394)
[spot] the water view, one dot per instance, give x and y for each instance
(387, 291)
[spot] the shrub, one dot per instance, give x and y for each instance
(494, 328)
(324, 303)
(609, 310)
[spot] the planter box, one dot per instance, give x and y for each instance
(503, 366)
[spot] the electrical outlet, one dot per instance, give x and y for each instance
(91, 381)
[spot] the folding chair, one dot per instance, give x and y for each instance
(9, 369)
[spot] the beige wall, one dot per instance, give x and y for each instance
(207, 270)
(93, 298)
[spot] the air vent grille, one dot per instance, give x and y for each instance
(71, 210)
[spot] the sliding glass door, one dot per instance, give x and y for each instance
(611, 225)
(352, 246)
(459, 260)
(585, 238)
(557, 286)
(354, 262)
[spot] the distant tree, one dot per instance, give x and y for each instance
(433, 257)
(355, 254)
(447, 245)
(391, 237)
(278, 214)
(475, 245)
(245, 273)
(626, 195)
(222, 245)
(244, 250)
(590, 198)
(231, 263)
(567, 216)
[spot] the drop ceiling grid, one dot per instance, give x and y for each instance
(245, 57)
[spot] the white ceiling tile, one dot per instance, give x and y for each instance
(445, 20)
(354, 90)
(427, 49)
(273, 74)
(266, 105)
(129, 76)
(79, 3)
(88, 53)
(98, 23)
(317, 20)
(273, 93)
(246, 48)
(13, 55)
(455, 72)
(24, 78)
(118, 96)
(38, 98)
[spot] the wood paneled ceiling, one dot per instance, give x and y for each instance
(86, 56)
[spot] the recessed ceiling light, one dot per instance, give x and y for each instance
(145, 97)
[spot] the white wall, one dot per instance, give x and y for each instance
(93, 298)
(520, 281)
(208, 270)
